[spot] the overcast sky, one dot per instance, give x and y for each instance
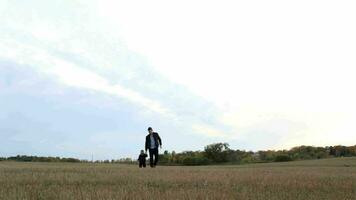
(88, 77)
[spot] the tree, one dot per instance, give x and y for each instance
(217, 152)
(165, 157)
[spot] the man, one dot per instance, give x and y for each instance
(152, 142)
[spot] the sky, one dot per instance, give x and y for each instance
(83, 78)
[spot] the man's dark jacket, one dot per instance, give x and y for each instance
(157, 139)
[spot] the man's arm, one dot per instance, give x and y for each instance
(159, 140)
(146, 146)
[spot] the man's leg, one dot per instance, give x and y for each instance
(156, 156)
(151, 157)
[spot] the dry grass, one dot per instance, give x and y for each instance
(321, 179)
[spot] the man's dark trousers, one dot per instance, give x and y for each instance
(155, 153)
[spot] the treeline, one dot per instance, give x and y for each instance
(24, 158)
(220, 153)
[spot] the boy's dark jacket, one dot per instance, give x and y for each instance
(142, 158)
(157, 139)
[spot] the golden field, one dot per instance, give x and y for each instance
(333, 179)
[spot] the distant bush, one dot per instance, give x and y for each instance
(283, 158)
(196, 161)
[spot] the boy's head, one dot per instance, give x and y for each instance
(142, 151)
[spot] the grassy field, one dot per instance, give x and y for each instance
(317, 179)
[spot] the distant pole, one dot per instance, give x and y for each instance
(92, 157)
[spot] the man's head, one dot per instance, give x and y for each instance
(150, 130)
(142, 151)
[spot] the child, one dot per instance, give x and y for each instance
(142, 159)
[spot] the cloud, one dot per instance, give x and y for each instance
(210, 131)
(230, 71)
(42, 117)
(76, 61)
(84, 84)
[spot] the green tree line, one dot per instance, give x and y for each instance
(218, 153)
(24, 158)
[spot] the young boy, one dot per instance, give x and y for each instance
(142, 159)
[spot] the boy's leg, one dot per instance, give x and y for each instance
(156, 156)
(144, 164)
(151, 157)
(140, 165)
